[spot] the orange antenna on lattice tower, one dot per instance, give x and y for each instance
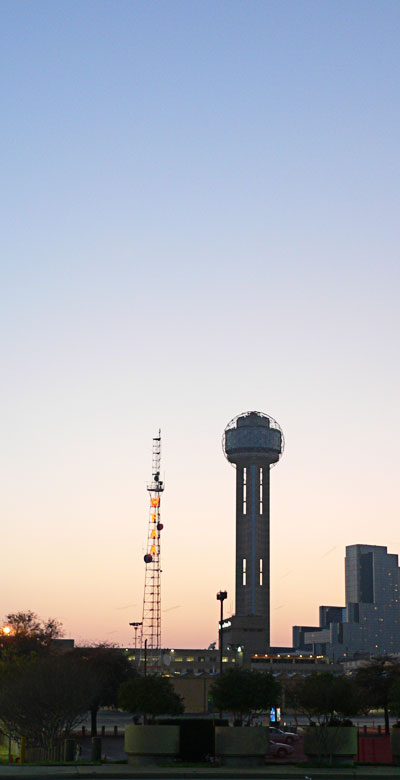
(151, 616)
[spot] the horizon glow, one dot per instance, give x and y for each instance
(199, 217)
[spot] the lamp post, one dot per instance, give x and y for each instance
(221, 596)
(135, 626)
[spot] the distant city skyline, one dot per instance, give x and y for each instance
(199, 216)
(369, 624)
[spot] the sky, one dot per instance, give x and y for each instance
(199, 217)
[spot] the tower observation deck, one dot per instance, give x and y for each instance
(253, 442)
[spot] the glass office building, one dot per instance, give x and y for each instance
(371, 620)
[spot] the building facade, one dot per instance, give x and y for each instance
(370, 622)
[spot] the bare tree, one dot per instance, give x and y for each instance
(44, 698)
(375, 681)
(109, 668)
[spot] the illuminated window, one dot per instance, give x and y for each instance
(261, 491)
(244, 490)
(244, 571)
(261, 571)
(189, 658)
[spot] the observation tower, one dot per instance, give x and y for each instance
(253, 442)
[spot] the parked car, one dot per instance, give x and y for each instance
(279, 750)
(284, 737)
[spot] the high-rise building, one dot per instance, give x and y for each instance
(253, 442)
(372, 575)
(371, 623)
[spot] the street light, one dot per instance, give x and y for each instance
(221, 596)
(135, 626)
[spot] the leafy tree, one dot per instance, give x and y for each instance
(375, 681)
(109, 668)
(242, 692)
(42, 697)
(394, 700)
(26, 633)
(324, 696)
(150, 696)
(329, 700)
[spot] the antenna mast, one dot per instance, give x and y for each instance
(151, 617)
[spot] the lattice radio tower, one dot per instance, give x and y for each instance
(151, 617)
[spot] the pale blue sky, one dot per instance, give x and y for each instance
(199, 216)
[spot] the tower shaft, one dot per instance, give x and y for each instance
(252, 541)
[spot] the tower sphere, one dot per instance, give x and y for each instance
(253, 437)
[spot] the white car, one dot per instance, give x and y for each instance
(284, 737)
(279, 750)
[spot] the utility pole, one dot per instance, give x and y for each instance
(136, 626)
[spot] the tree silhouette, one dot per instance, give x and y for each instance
(109, 668)
(25, 633)
(324, 696)
(375, 681)
(242, 691)
(43, 697)
(150, 696)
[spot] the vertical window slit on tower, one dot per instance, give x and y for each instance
(244, 490)
(244, 571)
(261, 491)
(261, 571)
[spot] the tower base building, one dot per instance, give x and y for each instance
(245, 633)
